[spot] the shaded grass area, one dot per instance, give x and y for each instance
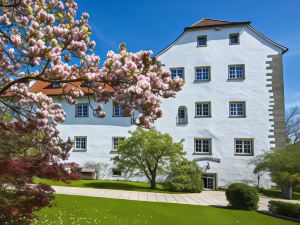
(107, 184)
(81, 210)
(274, 193)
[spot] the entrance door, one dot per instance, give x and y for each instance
(209, 181)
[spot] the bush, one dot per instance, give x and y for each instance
(242, 196)
(186, 176)
(297, 188)
(285, 209)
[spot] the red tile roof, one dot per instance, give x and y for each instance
(41, 86)
(205, 23)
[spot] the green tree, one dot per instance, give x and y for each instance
(284, 167)
(186, 176)
(149, 152)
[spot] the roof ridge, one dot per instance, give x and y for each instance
(198, 21)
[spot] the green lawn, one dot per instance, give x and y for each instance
(78, 210)
(273, 193)
(107, 184)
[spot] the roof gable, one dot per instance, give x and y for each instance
(211, 23)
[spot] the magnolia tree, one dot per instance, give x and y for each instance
(44, 40)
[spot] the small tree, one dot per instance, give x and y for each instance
(292, 125)
(284, 167)
(148, 152)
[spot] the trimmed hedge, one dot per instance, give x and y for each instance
(185, 177)
(297, 188)
(242, 196)
(285, 209)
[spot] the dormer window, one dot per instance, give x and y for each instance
(88, 84)
(55, 85)
(202, 41)
(234, 39)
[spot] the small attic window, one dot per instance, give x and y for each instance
(202, 41)
(234, 39)
(55, 85)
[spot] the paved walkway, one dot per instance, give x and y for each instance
(214, 198)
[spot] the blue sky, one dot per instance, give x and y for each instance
(152, 25)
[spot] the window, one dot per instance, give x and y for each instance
(234, 39)
(202, 146)
(202, 109)
(243, 146)
(115, 141)
(88, 84)
(202, 73)
(177, 72)
(237, 109)
(182, 117)
(202, 41)
(55, 85)
(236, 72)
(117, 110)
(81, 110)
(116, 173)
(80, 143)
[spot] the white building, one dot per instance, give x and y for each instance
(230, 110)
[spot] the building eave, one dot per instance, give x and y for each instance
(221, 25)
(283, 48)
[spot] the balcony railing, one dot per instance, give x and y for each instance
(182, 120)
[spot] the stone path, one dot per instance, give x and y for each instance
(213, 198)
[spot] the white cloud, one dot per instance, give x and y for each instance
(291, 104)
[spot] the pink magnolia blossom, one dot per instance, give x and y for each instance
(45, 41)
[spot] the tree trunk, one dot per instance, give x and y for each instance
(153, 182)
(287, 192)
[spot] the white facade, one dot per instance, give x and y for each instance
(227, 167)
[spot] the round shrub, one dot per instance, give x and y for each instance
(242, 196)
(186, 176)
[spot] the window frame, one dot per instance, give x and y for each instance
(209, 73)
(88, 84)
(203, 153)
(76, 110)
(182, 120)
(113, 111)
(244, 70)
(53, 87)
(209, 108)
(113, 143)
(77, 149)
(243, 147)
(178, 68)
(115, 169)
(238, 116)
(202, 36)
(238, 38)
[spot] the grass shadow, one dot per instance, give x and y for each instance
(116, 186)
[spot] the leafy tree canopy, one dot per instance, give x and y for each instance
(149, 152)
